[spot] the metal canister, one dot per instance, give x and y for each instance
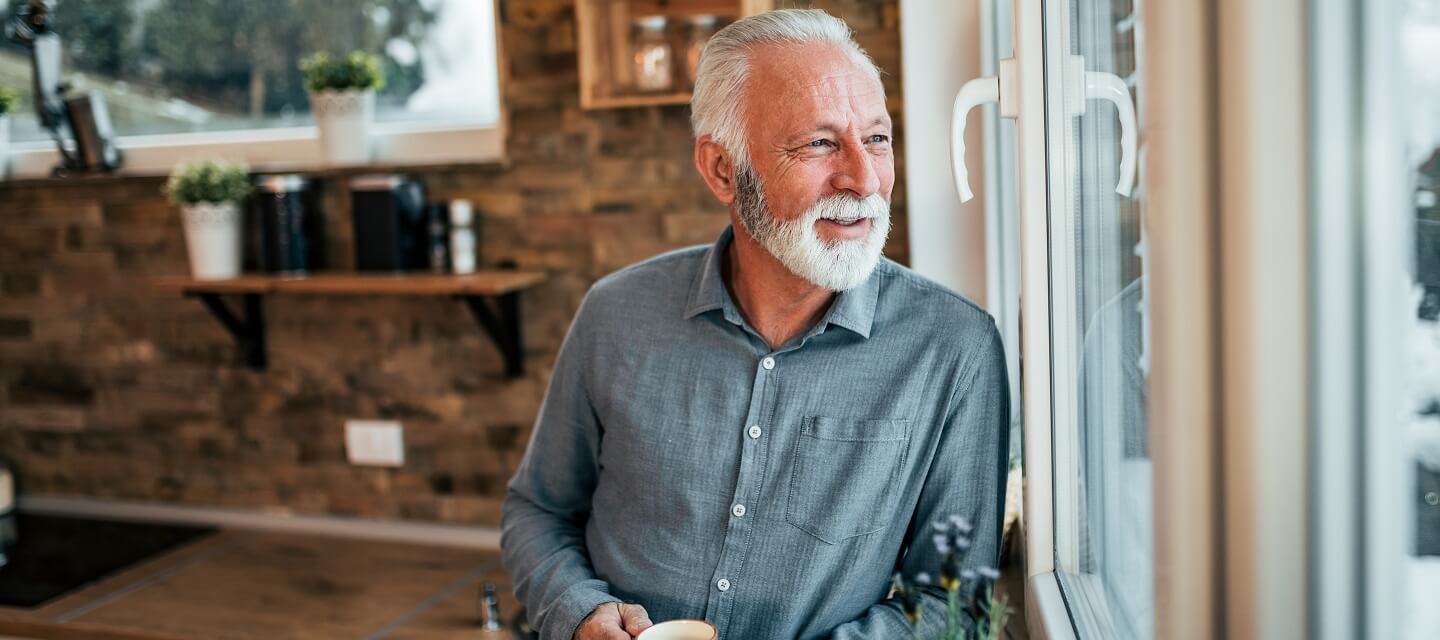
(291, 227)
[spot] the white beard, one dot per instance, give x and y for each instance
(839, 265)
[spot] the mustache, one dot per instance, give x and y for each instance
(756, 217)
(843, 207)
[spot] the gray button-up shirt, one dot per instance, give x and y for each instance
(679, 463)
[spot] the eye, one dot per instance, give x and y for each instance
(878, 139)
(818, 143)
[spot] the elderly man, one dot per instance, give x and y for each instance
(760, 432)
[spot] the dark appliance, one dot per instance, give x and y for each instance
(388, 212)
(55, 555)
(292, 229)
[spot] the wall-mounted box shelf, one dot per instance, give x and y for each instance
(607, 32)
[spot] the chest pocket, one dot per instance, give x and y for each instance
(842, 482)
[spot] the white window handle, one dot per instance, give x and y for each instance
(972, 94)
(1088, 85)
(1100, 85)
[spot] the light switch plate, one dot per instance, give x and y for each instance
(379, 443)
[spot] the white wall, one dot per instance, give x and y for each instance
(940, 50)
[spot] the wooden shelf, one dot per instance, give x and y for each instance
(619, 102)
(493, 298)
(487, 283)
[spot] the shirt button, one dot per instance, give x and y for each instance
(1432, 499)
(754, 431)
(738, 510)
(768, 363)
(723, 585)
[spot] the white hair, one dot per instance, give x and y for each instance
(717, 107)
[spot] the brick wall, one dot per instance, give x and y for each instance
(111, 389)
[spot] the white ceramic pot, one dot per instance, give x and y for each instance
(4, 145)
(343, 118)
(212, 237)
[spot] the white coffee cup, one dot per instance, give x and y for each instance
(680, 630)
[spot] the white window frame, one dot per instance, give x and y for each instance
(1046, 614)
(1088, 602)
(1002, 230)
(412, 143)
(1362, 517)
(1389, 245)
(1181, 179)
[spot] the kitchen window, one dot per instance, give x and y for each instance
(1377, 396)
(1100, 315)
(1114, 304)
(188, 77)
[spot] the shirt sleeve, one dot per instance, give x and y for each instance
(967, 479)
(548, 502)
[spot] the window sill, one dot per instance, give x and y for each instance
(1047, 617)
(275, 150)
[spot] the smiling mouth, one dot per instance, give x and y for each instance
(845, 222)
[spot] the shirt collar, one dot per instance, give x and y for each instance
(853, 309)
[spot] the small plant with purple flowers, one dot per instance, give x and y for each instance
(972, 611)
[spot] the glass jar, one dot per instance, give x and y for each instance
(701, 28)
(653, 55)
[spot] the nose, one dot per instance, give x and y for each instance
(856, 172)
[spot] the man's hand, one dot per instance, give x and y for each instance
(614, 621)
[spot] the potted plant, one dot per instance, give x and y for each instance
(8, 100)
(342, 98)
(973, 611)
(209, 193)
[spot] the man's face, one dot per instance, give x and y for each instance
(818, 191)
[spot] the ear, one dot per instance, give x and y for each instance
(715, 168)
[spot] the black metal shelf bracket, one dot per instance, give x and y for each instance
(498, 315)
(503, 326)
(249, 331)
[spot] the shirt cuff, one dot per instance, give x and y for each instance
(571, 609)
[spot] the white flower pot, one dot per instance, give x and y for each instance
(212, 237)
(343, 118)
(4, 145)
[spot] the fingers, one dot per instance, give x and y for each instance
(614, 633)
(603, 624)
(634, 619)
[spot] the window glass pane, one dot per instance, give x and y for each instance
(1421, 33)
(1106, 567)
(180, 66)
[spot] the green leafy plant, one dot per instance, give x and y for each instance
(8, 98)
(208, 181)
(972, 610)
(359, 70)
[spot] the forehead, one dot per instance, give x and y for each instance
(803, 86)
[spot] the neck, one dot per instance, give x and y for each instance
(778, 304)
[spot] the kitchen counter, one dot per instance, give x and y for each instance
(244, 584)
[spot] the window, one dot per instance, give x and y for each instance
(1084, 288)
(1415, 469)
(1378, 355)
(1099, 293)
(224, 75)
(1422, 47)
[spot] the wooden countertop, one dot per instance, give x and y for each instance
(250, 584)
